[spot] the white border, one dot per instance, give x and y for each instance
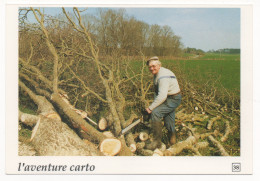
(148, 165)
(133, 2)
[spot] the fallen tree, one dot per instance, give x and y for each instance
(72, 85)
(50, 136)
(39, 85)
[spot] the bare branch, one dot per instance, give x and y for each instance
(219, 146)
(86, 87)
(51, 48)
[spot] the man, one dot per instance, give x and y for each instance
(167, 99)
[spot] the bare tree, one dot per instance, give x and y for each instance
(68, 77)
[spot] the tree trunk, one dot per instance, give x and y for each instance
(55, 138)
(96, 135)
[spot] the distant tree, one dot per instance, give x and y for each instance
(116, 31)
(194, 51)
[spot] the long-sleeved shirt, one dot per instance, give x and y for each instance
(166, 83)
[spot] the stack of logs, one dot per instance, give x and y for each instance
(111, 146)
(192, 140)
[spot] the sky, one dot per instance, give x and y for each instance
(201, 28)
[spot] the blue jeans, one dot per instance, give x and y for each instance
(166, 112)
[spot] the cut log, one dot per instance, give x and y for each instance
(130, 142)
(195, 150)
(125, 151)
(132, 147)
(202, 145)
(178, 147)
(140, 145)
(28, 119)
(110, 146)
(145, 152)
(25, 149)
(141, 151)
(163, 147)
(102, 124)
(157, 152)
(55, 138)
(52, 137)
(143, 136)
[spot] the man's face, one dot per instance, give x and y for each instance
(154, 67)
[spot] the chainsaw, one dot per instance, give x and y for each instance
(144, 119)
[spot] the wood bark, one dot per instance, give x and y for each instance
(141, 151)
(55, 138)
(125, 150)
(201, 145)
(96, 135)
(140, 145)
(108, 134)
(178, 147)
(145, 152)
(28, 119)
(52, 137)
(130, 142)
(25, 149)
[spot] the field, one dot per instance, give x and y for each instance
(214, 78)
(211, 91)
(225, 69)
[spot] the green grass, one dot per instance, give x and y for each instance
(25, 133)
(27, 110)
(226, 71)
(223, 69)
(215, 56)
